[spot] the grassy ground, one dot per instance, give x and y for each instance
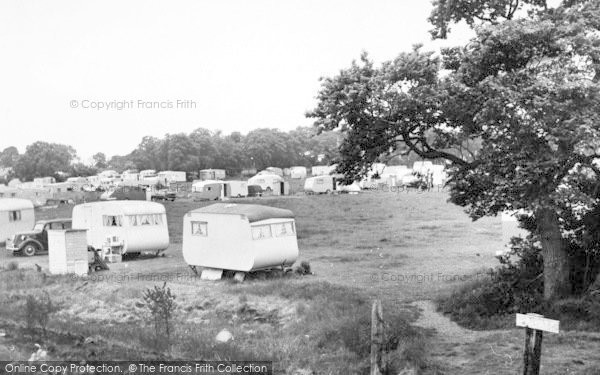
(398, 247)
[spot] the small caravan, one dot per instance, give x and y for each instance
(319, 170)
(167, 177)
(269, 183)
(207, 190)
(392, 174)
(422, 167)
(16, 215)
(235, 189)
(140, 225)
(239, 237)
(297, 172)
(216, 189)
(320, 184)
(213, 174)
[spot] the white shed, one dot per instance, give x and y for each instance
(67, 252)
(140, 225)
(239, 237)
(16, 215)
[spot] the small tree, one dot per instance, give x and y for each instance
(161, 305)
(38, 309)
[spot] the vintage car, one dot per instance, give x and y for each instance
(35, 241)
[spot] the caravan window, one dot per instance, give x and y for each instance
(14, 215)
(112, 220)
(199, 228)
(132, 220)
(145, 219)
(260, 232)
(284, 229)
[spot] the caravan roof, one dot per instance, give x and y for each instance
(253, 212)
(128, 206)
(13, 204)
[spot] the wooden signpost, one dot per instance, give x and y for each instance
(377, 340)
(535, 325)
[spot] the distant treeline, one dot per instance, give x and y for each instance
(191, 152)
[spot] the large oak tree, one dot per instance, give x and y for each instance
(526, 91)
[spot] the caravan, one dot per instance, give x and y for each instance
(16, 215)
(216, 189)
(270, 184)
(298, 172)
(239, 237)
(213, 174)
(207, 190)
(324, 184)
(141, 226)
(168, 177)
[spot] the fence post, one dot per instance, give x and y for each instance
(377, 339)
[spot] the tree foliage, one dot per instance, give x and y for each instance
(447, 12)
(44, 159)
(525, 90)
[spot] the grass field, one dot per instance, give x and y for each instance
(403, 248)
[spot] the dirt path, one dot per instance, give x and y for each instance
(446, 329)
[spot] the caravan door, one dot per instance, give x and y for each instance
(226, 191)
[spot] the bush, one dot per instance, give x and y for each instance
(38, 309)
(515, 286)
(12, 266)
(303, 269)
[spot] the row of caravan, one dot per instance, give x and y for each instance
(238, 237)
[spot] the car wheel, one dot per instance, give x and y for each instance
(30, 250)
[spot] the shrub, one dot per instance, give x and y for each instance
(161, 305)
(12, 266)
(303, 268)
(38, 309)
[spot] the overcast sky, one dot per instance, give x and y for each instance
(242, 64)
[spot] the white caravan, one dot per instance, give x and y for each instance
(140, 225)
(324, 184)
(267, 182)
(297, 172)
(16, 215)
(167, 177)
(239, 237)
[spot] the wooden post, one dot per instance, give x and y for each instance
(377, 339)
(535, 325)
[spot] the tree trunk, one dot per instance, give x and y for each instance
(556, 261)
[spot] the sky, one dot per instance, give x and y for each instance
(100, 75)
